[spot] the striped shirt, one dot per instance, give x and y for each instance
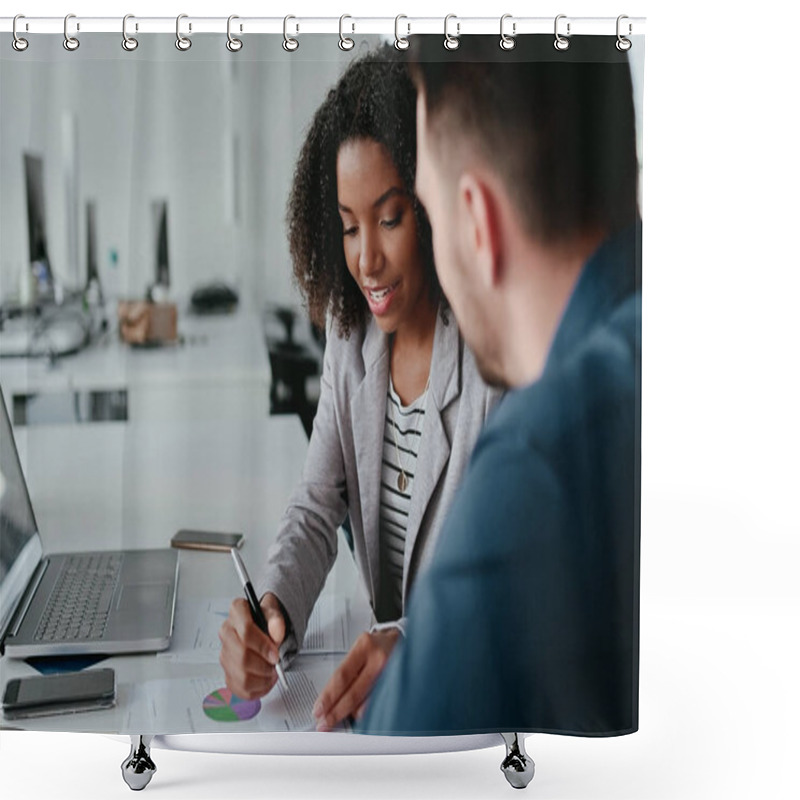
(401, 437)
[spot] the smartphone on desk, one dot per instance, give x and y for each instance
(43, 696)
(207, 540)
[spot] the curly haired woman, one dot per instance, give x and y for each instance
(401, 401)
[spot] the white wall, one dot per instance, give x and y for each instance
(155, 124)
(158, 123)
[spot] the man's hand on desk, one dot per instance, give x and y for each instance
(248, 656)
(347, 692)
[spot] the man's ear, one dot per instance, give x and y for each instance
(480, 225)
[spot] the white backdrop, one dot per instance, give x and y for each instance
(719, 702)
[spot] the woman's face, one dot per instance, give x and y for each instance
(379, 233)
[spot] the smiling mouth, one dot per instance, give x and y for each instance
(380, 294)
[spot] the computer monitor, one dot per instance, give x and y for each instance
(37, 229)
(92, 272)
(91, 245)
(93, 291)
(162, 247)
(20, 545)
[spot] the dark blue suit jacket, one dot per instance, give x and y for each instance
(528, 616)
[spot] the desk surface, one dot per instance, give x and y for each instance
(126, 485)
(222, 348)
(133, 484)
(220, 370)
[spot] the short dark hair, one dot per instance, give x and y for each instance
(374, 99)
(558, 127)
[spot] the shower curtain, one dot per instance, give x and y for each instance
(450, 539)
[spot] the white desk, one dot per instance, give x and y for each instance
(112, 485)
(220, 369)
(133, 484)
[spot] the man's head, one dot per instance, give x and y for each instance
(524, 166)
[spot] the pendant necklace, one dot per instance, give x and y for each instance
(402, 476)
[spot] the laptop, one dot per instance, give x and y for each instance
(74, 603)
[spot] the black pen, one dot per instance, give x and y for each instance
(255, 609)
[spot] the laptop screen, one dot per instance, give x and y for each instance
(20, 546)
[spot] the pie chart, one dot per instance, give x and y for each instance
(224, 706)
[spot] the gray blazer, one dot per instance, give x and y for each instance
(342, 471)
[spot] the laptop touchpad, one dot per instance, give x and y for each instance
(143, 597)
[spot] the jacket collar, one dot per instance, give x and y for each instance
(368, 415)
(445, 375)
(610, 275)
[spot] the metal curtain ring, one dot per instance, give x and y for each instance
(129, 43)
(345, 43)
(290, 44)
(233, 44)
(70, 42)
(18, 43)
(451, 42)
(182, 42)
(561, 42)
(507, 42)
(623, 44)
(401, 42)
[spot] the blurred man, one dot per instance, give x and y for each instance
(527, 618)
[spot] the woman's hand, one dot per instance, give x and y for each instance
(248, 655)
(348, 689)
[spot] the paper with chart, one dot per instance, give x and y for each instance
(175, 705)
(331, 629)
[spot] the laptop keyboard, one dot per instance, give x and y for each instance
(79, 604)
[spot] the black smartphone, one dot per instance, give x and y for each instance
(59, 694)
(207, 540)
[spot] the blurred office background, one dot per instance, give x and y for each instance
(214, 134)
(146, 167)
(197, 432)
(159, 166)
